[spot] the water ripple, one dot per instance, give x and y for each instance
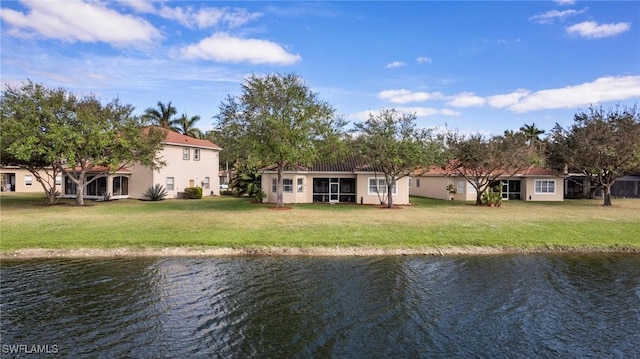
(300, 307)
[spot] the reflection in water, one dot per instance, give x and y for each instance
(411, 306)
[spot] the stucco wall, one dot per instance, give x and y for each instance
(187, 173)
(306, 196)
(530, 194)
(19, 181)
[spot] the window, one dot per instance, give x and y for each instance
(58, 180)
(69, 186)
(417, 182)
(379, 185)
(28, 180)
(461, 185)
(287, 185)
(97, 187)
(185, 153)
(205, 183)
(300, 185)
(196, 154)
(545, 186)
(120, 186)
(169, 183)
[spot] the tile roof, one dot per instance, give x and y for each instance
(347, 165)
(528, 172)
(175, 138)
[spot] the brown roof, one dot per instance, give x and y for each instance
(175, 138)
(531, 171)
(348, 165)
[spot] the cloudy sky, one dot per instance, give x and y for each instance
(474, 66)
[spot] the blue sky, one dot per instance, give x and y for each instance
(473, 66)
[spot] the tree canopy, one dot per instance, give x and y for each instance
(278, 121)
(74, 135)
(390, 142)
(602, 144)
(482, 161)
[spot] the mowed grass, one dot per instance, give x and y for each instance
(27, 222)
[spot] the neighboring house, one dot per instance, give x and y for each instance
(17, 179)
(347, 182)
(533, 184)
(579, 186)
(190, 162)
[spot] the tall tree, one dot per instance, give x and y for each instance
(103, 139)
(162, 116)
(186, 126)
(278, 121)
(601, 144)
(390, 142)
(482, 161)
(76, 135)
(27, 112)
(531, 133)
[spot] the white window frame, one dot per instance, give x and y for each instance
(542, 186)
(381, 184)
(274, 185)
(170, 183)
(186, 153)
(59, 180)
(28, 180)
(300, 184)
(461, 185)
(196, 154)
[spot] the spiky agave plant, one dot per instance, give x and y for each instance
(156, 192)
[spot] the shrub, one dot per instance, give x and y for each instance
(259, 195)
(156, 192)
(227, 192)
(492, 197)
(193, 193)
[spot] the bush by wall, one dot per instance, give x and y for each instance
(193, 193)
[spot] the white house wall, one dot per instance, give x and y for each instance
(188, 172)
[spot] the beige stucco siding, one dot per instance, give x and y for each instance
(21, 180)
(304, 194)
(530, 194)
(401, 197)
(188, 172)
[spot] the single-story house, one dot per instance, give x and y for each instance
(17, 179)
(345, 182)
(532, 184)
(579, 186)
(190, 162)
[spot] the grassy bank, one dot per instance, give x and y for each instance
(227, 222)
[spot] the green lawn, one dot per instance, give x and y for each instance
(26, 222)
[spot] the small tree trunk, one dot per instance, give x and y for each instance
(607, 196)
(51, 195)
(390, 194)
(79, 195)
(279, 199)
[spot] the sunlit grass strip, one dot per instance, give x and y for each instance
(236, 223)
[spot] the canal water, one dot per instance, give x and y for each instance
(502, 306)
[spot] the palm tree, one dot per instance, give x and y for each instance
(531, 133)
(161, 116)
(186, 126)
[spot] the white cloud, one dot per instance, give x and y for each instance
(552, 15)
(141, 6)
(564, 2)
(424, 60)
(221, 47)
(208, 17)
(506, 100)
(76, 20)
(466, 99)
(600, 90)
(395, 64)
(406, 96)
(593, 30)
(418, 111)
